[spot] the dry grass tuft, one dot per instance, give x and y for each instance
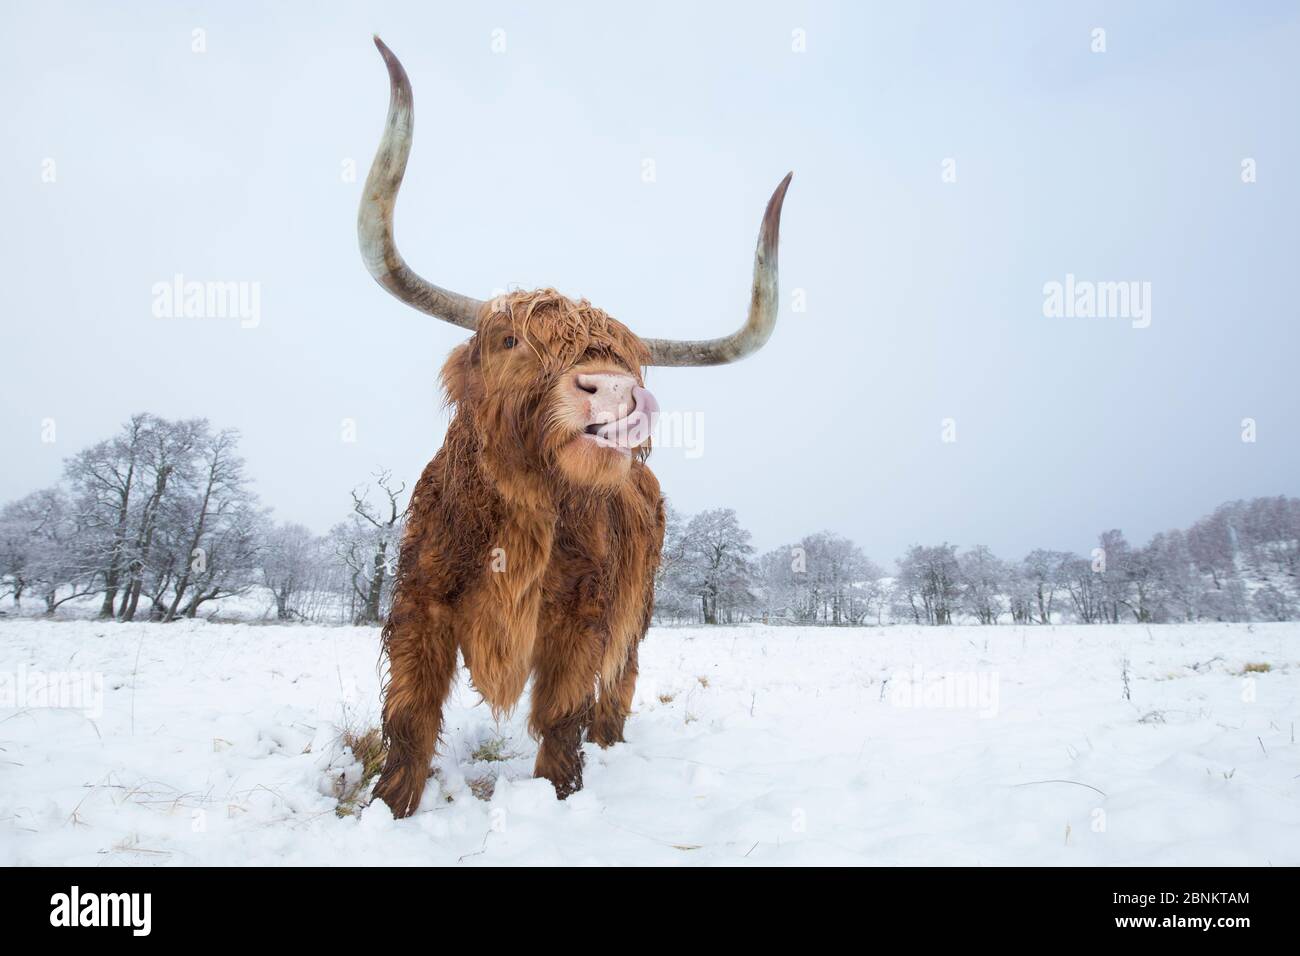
(483, 787)
(492, 750)
(367, 747)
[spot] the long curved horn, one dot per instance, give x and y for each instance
(763, 303)
(375, 217)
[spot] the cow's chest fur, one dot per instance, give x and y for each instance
(568, 578)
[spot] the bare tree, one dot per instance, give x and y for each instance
(40, 549)
(103, 481)
(219, 492)
(927, 586)
(1227, 601)
(1045, 570)
(1021, 594)
(293, 569)
(228, 558)
(1270, 603)
(368, 543)
(1087, 593)
(874, 594)
(983, 578)
(673, 598)
(169, 469)
(1116, 576)
(1210, 545)
(1175, 587)
(15, 549)
(717, 561)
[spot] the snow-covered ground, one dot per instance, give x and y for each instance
(218, 744)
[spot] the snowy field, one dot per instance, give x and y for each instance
(198, 743)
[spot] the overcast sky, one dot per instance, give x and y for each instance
(924, 298)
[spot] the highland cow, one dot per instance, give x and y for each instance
(533, 536)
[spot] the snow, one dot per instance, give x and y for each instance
(219, 744)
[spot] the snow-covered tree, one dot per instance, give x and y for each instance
(927, 587)
(41, 550)
(1085, 585)
(1270, 603)
(716, 565)
(296, 570)
(367, 543)
(983, 580)
(824, 579)
(673, 598)
(1045, 573)
(1176, 587)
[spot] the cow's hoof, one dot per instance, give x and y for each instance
(565, 782)
(401, 788)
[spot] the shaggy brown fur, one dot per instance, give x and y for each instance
(528, 550)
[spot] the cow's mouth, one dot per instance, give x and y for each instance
(629, 432)
(588, 437)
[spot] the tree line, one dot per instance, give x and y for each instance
(1239, 563)
(160, 521)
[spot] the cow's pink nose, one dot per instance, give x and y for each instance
(608, 396)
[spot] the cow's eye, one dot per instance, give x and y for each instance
(509, 342)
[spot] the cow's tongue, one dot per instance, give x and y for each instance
(634, 429)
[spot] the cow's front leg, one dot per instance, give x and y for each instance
(565, 663)
(421, 653)
(559, 758)
(615, 703)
